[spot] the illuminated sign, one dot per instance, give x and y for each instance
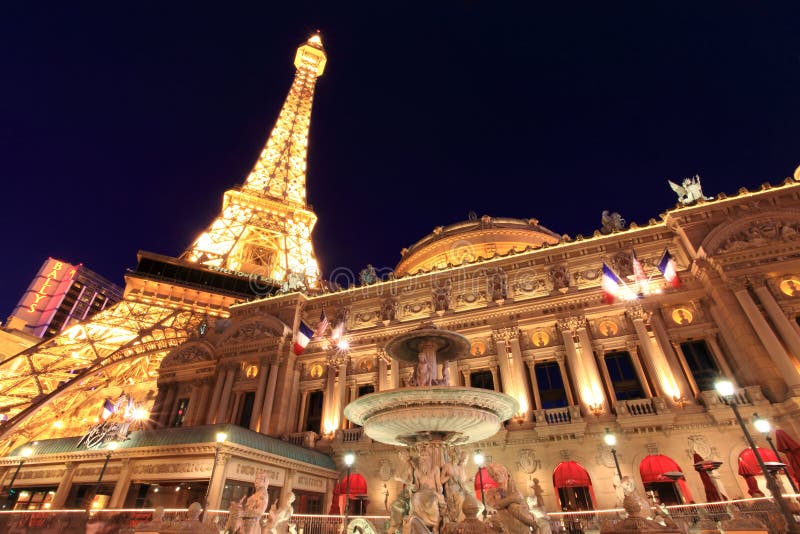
(51, 283)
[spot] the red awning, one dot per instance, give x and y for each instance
(357, 486)
(748, 465)
(571, 474)
(653, 468)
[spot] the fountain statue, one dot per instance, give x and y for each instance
(512, 515)
(432, 420)
(256, 505)
(640, 516)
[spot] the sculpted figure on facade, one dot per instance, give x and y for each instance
(611, 222)
(441, 297)
(256, 504)
(497, 284)
(389, 309)
(368, 276)
(690, 190)
(559, 278)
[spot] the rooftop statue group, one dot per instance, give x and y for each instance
(438, 497)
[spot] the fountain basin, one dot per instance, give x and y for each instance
(457, 415)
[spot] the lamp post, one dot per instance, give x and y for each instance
(25, 454)
(221, 437)
(110, 448)
(763, 426)
(349, 458)
(726, 390)
(479, 462)
(611, 440)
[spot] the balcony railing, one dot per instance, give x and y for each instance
(349, 435)
(558, 416)
(123, 521)
(637, 407)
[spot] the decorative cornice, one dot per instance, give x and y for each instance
(571, 324)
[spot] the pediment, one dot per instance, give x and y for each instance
(252, 330)
(189, 353)
(761, 229)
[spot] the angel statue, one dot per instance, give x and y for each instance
(690, 190)
(612, 222)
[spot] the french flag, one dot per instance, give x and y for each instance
(108, 410)
(301, 338)
(610, 284)
(667, 268)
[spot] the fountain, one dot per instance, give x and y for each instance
(431, 420)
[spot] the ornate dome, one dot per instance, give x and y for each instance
(473, 240)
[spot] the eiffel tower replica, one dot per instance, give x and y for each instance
(260, 244)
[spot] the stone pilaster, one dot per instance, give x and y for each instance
(64, 486)
(261, 388)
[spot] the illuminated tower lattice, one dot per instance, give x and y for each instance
(265, 226)
(264, 229)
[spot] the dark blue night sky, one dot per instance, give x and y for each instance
(122, 124)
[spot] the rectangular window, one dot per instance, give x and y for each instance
(551, 386)
(180, 415)
(314, 413)
(623, 376)
(247, 409)
(482, 379)
(701, 364)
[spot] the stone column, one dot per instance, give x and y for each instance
(743, 345)
(562, 367)
(517, 368)
(383, 378)
(504, 357)
(395, 378)
(678, 371)
(719, 357)
(237, 400)
(294, 398)
(117, 499)
(217, 482)
(687, 371)
(633, 352)
(64, 486)
(587, 379)
(601, 363)
(590, 362)
(353, 388)
(301, 417)
(158, 405)
(455, 377)
(212, 409)
(465, 374)
(774, 348)
(784, 326)
(665, 382)
(269, 399)
(169, 400)
(288, 485)
(193, 398)
(495, 378)
(261, 388)
(225, 398)
(534, 384)
(328, 412)
(341, 392)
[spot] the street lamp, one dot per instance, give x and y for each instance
(479, 459)
(221, 437)
(349, 458)
(611, 440)
(25, 454)
(726, 390)
(111, 447)
(763, 426)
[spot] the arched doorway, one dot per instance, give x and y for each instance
(667, 489)
(573, 487)
(750, 471)
(357, 487)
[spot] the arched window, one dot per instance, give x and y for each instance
(655, 469)
(573, 486)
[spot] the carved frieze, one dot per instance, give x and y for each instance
(187, 354)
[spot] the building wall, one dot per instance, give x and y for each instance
(739, 267)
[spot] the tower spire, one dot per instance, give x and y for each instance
(265, 226)
(280, 171)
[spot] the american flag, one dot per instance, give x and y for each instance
(322, 325)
